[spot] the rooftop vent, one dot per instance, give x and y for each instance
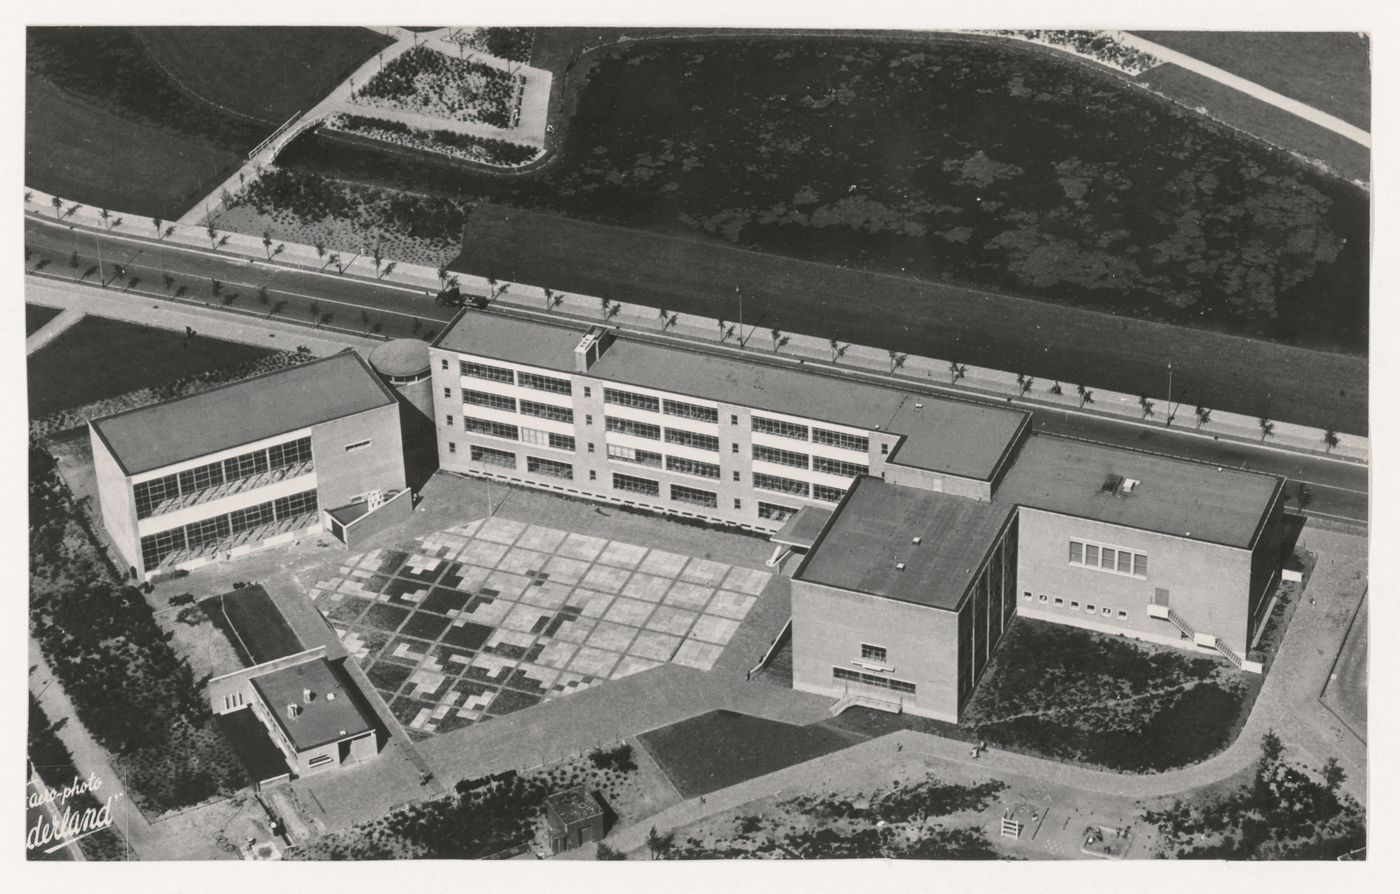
(919, 406)
(1128, 486)
(344, 733)
(293, 711)
(307, 695)
(898, 566)
(330, 696)
(918, 540)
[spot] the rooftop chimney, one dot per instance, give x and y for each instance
(306, 696)
(292, 711)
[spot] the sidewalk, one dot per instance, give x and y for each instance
(800, 350)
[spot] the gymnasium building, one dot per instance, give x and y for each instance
(250, 465)
(922, 524)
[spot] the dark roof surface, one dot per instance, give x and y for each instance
(254, 623)
(574, 805)
(804, 527)
(186, 428)
(324, 719)
(953, 436)
(875, 526)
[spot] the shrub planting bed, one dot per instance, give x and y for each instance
(431, 83)
(1070, 694)
(136, 697)
(481, 150)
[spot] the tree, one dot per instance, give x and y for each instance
(377, 255)
(720, 323)
(276, 309)
(212, 233)
(320, 247)
(57, 204)
(779, 340)
(1202, 416)
(167, 280)
(1270, 748)
(335, 261)
(314, 310)
(491, 281)
(106, 216)
(897, 360)
(364, 320)
(442, 277)
(73, 261)
(1266, 427)
(158, 223)
(548, 298)
(668, 319)
(215, 287)
(263, 298)
(838, 350)
(389, 268)
(267, 244)
(1333, 774)
(604, 304)
(957, 371)
(1056, 389)
(1329, 437)
(660, 845)
(607, 852)
(28, 196)
(1024, 382)
(1146, 405)
(1085, 396)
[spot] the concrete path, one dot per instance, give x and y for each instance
(52, 329)
(1258, 91)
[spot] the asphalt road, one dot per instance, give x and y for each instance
(1317, 485)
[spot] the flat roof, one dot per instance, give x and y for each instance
(574, 805)
(873, 533)
(546, 344)
(1188, 499)
(330, 715)
(803, 529)
(874, 527)
(957, 437)
(149, 438)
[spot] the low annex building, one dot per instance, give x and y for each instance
(932, 521)
(247, 465)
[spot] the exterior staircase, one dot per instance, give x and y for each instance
(1206, 640)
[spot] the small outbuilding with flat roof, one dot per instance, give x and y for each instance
(575, 817)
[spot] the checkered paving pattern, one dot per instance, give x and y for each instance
(487, 618)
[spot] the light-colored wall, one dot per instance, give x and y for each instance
(1208, 584)
(341, 475)
(117, 502)
(829, 625)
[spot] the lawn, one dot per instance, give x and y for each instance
(976, 163)
(101, 157)
(1047, 341)
(253, 624)
(36, 316)
(268, 73)
(1267, 122)
(1069, 694)
(1330, 71)
(722, 748)
(98, 358)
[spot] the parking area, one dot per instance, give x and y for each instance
(484, 619)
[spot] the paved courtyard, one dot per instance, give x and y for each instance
(487, 618)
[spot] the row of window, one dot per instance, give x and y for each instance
(155, 547)
(1089, 608)
(149, 495)
(1107, 558)
(511, 377)
(853, 676)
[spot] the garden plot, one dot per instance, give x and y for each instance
(482, 150)
(488, 618)
(426, 82)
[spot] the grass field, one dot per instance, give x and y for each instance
(719, 749)
(268, 73)
(99, 157)
(253, 624)
(36, 316)
(1330, 71)
(901, 313)
(1267, 122)
(98, 358)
